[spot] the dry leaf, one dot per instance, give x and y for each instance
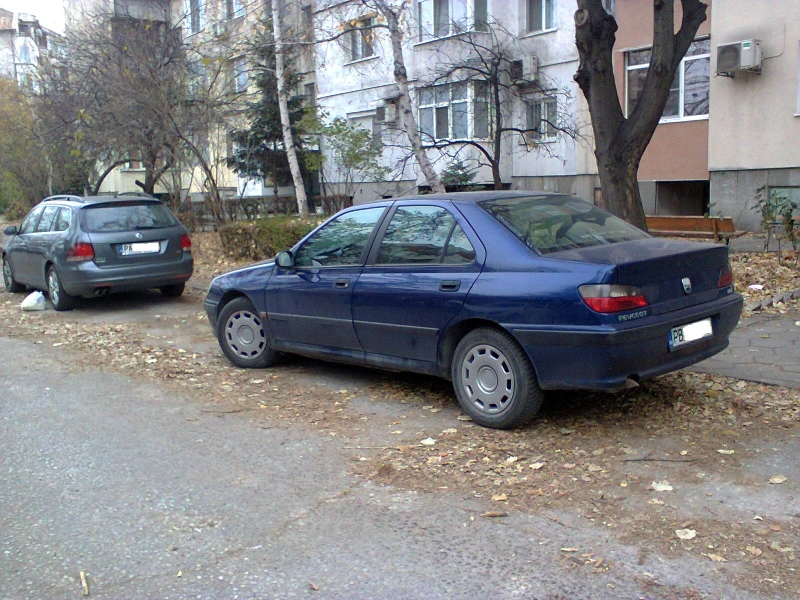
(569, 465)
(661, 486)
(569, 549)
(777, 546)
(686, 534)
(716, 558)
(313, 587)
(493, 514)
(777, 479)
(656, 501)
(595, 468)
(451, 430)
(754, 551)
(463, 418)
(499, 498)
(725, 451)
(428, 442)
(512, 459)
(537, 465)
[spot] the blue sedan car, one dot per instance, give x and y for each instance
(505, 293)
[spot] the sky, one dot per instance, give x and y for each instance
(49, 12)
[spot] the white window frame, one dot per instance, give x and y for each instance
(241, 74)
(550, 134)
(427, 25)
(190, 8)
(358, 44)
(470, 102)
(234, 9)
(680, 117)
(544, 15)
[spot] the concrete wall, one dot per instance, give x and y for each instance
(733, 193)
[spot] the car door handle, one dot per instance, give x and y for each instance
(449, 285)
(342, 284)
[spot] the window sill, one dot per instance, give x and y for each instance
(362, 60)
(666, 121)
(530, 34)
(443, 38)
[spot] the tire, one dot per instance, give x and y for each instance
(173, 291)
(242, 336)
(494, 380)
(60, 299)
(8, 278)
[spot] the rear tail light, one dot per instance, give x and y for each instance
(80, 252)
(725, 276)
(612, 298)
(186, 243)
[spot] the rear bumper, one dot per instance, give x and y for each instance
(604, 358)
(85, 278)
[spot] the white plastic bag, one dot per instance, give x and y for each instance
(33, 301)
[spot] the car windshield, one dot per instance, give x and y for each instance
(126, 216)
(554, 223)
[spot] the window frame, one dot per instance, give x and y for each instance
(426, 16)
(358, 40)
(237, 86)
(680, 73)
(234, 9)
(365, 251)
(54, 208)
(470, 101)
(543, 15)
(542, 102)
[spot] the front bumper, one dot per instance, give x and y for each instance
(87, 279)
(605, 358)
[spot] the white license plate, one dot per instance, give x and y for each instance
(678, 336)
(140, 248)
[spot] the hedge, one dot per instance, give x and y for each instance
(264, 238)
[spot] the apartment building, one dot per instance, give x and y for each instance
(24, 46)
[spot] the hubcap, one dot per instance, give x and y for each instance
(244, 334)
(488, 379)
(52, 284)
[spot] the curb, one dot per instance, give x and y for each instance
(766, 303)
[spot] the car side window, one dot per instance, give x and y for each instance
(423, 235)
(341, 242)
(63, 219)
(48, 216)
(30, 221)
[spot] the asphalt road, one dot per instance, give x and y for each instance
(151, 497)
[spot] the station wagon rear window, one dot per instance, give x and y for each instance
(554, 223)
(126, 216)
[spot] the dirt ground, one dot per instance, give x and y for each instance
(687, 465)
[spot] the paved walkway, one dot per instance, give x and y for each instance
(764, 348)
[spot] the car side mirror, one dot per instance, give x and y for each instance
(285, 260)
(12, 230)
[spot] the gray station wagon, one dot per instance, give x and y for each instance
(88, 246)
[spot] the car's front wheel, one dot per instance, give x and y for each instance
(242, 335)
(494, 380)
(8, 278)
(60, 299)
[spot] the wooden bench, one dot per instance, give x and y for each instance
(717, 228)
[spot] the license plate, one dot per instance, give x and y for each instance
(678, 336)
(140, 248)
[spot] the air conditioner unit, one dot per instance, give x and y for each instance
(739, 56)
(386, 113)
(525, 70)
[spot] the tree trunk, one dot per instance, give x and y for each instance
(404, 107)
(286, 125)
(620, 186)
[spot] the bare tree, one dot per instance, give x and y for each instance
(620, 142)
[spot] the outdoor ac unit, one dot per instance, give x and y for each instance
(739, 56)
(386, 113)
(525, 70)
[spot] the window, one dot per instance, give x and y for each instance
(30, 221)
(454, 111)
(440, 18)
(240, 74)
(126, 216)
(63, 220)
(424, 235)
(234, 9)
(310, 94)
(195, 15)
(689, 93)
(542, 119)
(25, 54)
(307, 18)
(361, 38)
(541, 15)
(48, 216)
(789, 195)
(341, 242)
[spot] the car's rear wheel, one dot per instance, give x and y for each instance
(242, 335)
(8, 278)
(494, 380)
(174, 290)
(60, 299)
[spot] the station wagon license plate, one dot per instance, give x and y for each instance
(678, 336)
(140, 248)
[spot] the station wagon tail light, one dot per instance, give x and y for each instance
(725, 276)
(186, 243)
(80, 252)
(612, 298)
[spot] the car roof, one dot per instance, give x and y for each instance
(84, 200)
(466, 197)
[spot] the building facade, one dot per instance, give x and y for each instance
(24, 46)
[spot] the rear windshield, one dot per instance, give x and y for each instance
(126, 216)
(554, 223)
